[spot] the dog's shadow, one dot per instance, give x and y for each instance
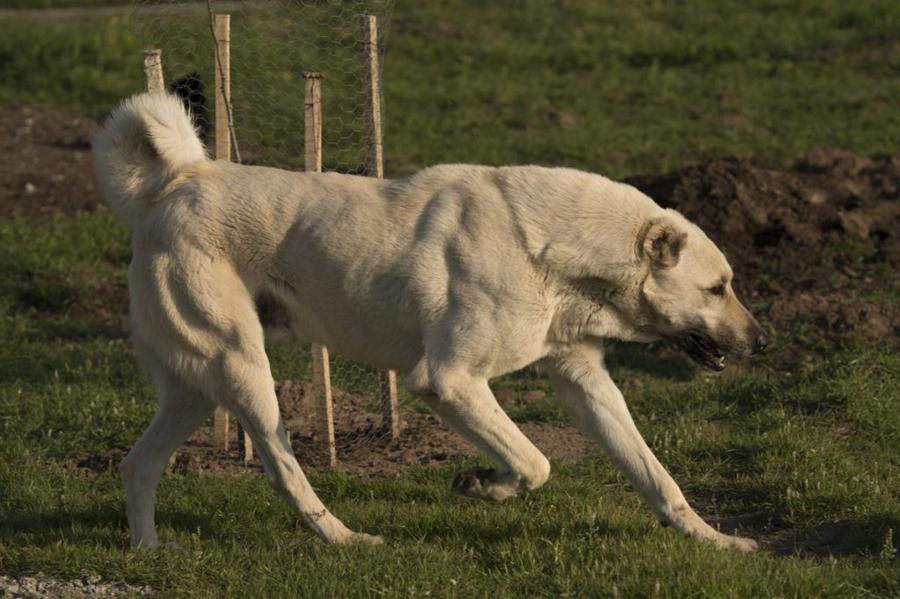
(866, 536)
(106, 526)
(95, 526)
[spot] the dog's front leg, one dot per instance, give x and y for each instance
(465, 403)
(585, 389)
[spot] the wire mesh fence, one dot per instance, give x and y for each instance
(272, 45)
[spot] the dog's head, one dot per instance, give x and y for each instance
(687, 293)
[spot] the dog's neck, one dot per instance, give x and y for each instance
(596, 308)
(581, 229)
(580, 226)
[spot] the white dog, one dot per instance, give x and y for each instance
(452, 276)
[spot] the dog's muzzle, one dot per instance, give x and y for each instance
(703, 350)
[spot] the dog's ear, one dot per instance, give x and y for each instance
(662, 242)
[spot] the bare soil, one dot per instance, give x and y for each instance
(363, 446)
(47, 166)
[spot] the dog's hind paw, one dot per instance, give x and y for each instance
(473, 483)
(742, 544)
(361, 538)
(485, 483)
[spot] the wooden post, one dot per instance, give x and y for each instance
(321, 366)
(153, 71)
(375, 168)
(153, 77)
(222, 67)
(312, 118)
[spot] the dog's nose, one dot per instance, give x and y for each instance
(762, 342)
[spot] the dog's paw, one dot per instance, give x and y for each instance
(484, 483)
(361, 538)
(472, 483)
(742, 544)
(723, 541)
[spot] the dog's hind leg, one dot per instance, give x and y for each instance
(181, 411)
(248, 391)
(199, 317)
(465, 403)
(585, 389)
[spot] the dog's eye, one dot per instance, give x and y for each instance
(718, 290)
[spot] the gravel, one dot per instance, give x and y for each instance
(40, 585)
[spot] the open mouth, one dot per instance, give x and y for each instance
(703, 350)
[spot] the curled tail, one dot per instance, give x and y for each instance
(142, 146)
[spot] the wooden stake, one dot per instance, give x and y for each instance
(221, 428)
(246, 444)
(375, 168)
(222, 66)
(153, 77)
(153, 73)
(312, 117)
(313, 160)
(390, 413)
(322, 384)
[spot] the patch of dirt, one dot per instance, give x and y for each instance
(47, 166)
(363, 447)
(812, 242)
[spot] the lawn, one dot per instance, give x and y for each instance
(804, 459)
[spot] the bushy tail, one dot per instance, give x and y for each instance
(141, 147)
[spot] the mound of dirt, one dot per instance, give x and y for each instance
(814, 242)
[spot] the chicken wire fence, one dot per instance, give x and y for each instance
(274, 45)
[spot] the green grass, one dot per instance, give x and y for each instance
(652, 85)
(805, 460)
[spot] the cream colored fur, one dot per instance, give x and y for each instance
(452, 276)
